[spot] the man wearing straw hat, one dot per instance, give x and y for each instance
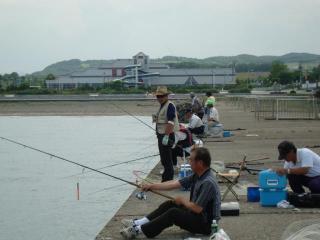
(166, 124)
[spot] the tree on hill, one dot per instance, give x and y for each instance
(50, 76)
(280, 73)
(315, 74)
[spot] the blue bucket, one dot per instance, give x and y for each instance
(226, 134)
(253, 194)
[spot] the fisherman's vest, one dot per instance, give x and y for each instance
(162, 119)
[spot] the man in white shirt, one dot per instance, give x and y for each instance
(212, 117)
(196, 125)
(302, 167)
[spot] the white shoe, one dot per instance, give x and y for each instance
(129, 233)
(127, 222)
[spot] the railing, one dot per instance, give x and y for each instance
(277, 108)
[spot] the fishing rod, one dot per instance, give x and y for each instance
(248, 161)
(227, 179)
(134, 116)
(208, 141)
(235, 129)
(84, 166)
(116, 164)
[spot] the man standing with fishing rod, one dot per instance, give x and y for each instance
(167, 123)
(194, 214)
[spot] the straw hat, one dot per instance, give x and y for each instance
(161, 90)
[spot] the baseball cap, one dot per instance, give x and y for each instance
(284, 148)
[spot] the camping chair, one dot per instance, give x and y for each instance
(232, 180)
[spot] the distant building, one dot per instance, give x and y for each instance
(141, 71)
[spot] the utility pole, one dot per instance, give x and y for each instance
(213, 78)
(300, 74)
(136, 72)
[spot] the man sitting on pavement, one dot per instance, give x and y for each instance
(213, 127)
(195, 125)
(205, 102)
(302, 167)
(194, 214)
(213, 115)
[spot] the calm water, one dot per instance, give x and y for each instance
(38, 193)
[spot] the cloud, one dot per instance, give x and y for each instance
(36, 33)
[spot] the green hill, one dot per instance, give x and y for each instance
(243, 62)
(69, 66)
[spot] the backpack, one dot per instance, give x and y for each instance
(188, 142)
(304, 200)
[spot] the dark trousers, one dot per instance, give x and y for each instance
(169, 213)
(198, 130)
(178, 151)
(297, 181)
(166, 157)
(200, 114)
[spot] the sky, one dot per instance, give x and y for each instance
(37, 33)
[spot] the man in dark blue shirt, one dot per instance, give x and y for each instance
(194, 214)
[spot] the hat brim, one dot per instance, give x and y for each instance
(160, 94)
(282, 155)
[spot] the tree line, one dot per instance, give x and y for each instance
(279, 74)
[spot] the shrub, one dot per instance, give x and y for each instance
(292, 92)
(240, 90)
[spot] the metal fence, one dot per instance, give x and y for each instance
(278, 107)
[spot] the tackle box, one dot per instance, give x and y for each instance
(269, 179)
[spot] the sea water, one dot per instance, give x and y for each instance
(39, 193)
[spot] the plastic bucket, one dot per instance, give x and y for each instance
(226, 133)
(253, 194)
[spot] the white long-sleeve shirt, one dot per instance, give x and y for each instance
(195, 122)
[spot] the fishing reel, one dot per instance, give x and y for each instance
(141, 195)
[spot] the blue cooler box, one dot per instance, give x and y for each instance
(185, 170)
(270, 197)
(269, 179)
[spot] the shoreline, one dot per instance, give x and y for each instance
(260, 138)
(77, 108)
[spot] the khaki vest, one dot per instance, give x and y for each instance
(162, 119)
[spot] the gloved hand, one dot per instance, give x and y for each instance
(165, 140)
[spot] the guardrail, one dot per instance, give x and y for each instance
(276, 108)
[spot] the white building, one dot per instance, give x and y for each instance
(140, 71)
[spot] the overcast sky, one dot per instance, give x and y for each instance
(37, 33)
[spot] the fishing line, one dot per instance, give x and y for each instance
(136, 173)
(134, 116)
(115, 164)
(108, 188)
(227, 179)
(84, 166)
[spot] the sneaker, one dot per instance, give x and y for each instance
(129, 232)
(127, 222)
